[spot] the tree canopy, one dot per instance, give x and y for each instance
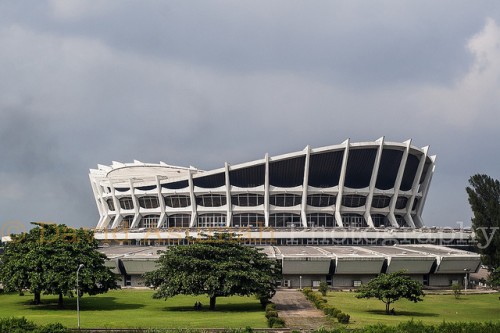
(45, 260)
(218, 266)
(484, 199)
(391, 287)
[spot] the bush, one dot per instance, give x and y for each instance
(52, 328)
(275, 322)
(270, 307)
(17, 325)
(271, 313)
(323, 288)
(457, 290)
(307, 291)
(343, 318)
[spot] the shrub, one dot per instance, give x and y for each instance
(270, 307)
(457, 290)
(323, 288)
(307, 291)
(21, 325)
(343, 318)
(275, 322)
(271, 313)
(52, 328)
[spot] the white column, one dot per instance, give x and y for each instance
(116, 202)
(161, 220)
(305, 184)
(373, 182)
(414, 188)
(338, 202)
(137, 217)
(397, 185)
(99, 202)
(266, 191)
(193, 200)
(228, 197)
(426, 184)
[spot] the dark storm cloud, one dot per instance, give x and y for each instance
(203, 82)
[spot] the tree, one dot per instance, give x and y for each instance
(391, 287)
(484, 199)
(45, 260)
(457, 290)
(218, 266)
(323, 288)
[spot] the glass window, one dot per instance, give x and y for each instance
(178, 201)
(126, 222)
(211, 200)
(248, 220)
(247, 200)
(353, 221)
(126, 203)
(149, 202)
(401, 202)
(321, 200)
(381, 201)
(285, 200)
(149, 221)
(111, 204)
(353, 200)
(380, 220)
(401, 221)
(211, 220)
(321, 220)
(284, 220)
(179, 221)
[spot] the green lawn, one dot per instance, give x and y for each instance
(433, 310)
(136, 308)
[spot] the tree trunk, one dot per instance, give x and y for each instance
(212, 302)
(387, 306)
(60, 301)
(36, 297)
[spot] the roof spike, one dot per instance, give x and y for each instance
(381, 139)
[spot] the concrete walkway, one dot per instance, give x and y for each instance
(297, 311)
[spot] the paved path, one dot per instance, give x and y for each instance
(297, 311)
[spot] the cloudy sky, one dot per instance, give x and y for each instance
(203, 82)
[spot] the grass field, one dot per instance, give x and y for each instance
(433, 310)
(136, 308)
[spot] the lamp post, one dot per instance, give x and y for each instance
(300, 282)
(466, 280)
(78, 295)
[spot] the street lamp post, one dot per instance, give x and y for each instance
(78, 295)
(466, 280)
(300, 282)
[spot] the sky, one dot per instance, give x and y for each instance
(204, 82)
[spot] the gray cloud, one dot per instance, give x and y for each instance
(229, 81)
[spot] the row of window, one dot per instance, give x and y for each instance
(279, 220)
(252, 200)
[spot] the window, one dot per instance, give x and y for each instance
(248, 220)
(284, 220)
(111, 204)
(212, 220)
(126, 222)
(179, 221)
(401, 202)
(320, 220)
(356, 283)
(321, 200)
(381, 201)
(178, 201)
(247, 200)
(149, 221)
(353, 221)
(285, 200)
(126, 203)
(401, 221)
(380, 220)
(353, 200)
(211, 200)
(149, 202)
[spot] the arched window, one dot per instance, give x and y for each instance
(149, 221)
(149, 201)
(321, 200)
(248, 220)
(285, 200)
(401, 202)
(111, 204)
(381, 201)
(126, 203)
(179, 221)
(211, 200)
(353, 200)
(211, 220)
(320, 220)
(284, 220)
(178, 201)
(247, 200)
(353, 221)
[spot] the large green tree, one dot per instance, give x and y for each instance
(391, 287)
(218, 266)
(484, 199)
(45, 259)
